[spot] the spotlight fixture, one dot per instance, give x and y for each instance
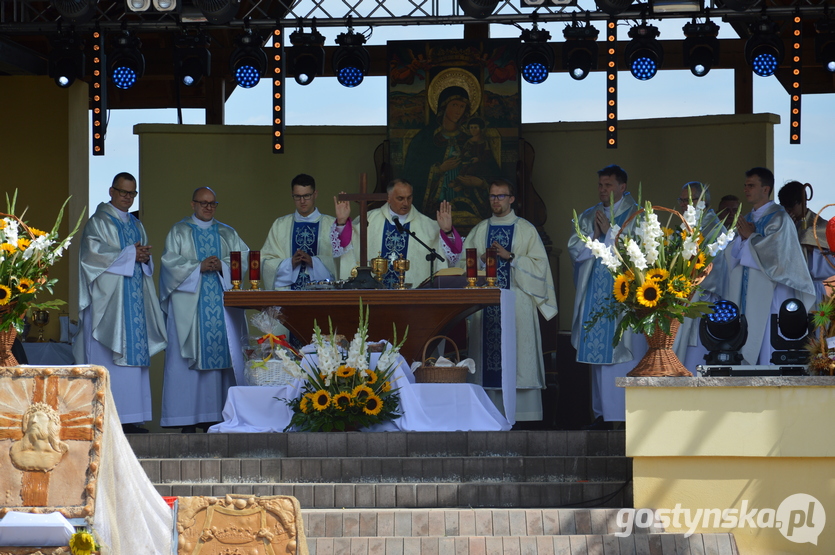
(248, 61)
(536, 57)
(613, 7)
(218, 12)
(127, 64)
(790, 330)
(579, 53)
(764, 50)
(478, 9)
(723, 333)
(192, 59)
(307, 57)
(825, 44)
(66, 60)
(351, 59)
(76, 11)
(644, 54)
(165, 5)
(138, 5)
(701, 47)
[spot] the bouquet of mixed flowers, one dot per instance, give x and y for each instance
(341, 391)
(26, 254)
(657, 269)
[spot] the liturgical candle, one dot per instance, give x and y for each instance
(491, 262)
(472, 269)
(254, 265)
(235, 265)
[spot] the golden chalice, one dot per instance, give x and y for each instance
(379, 266)
(40, 318)
(401, 266)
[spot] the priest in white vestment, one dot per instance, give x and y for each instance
(766, 265)
(299, 249)
(688, 345)
(387, 236)
(594, 288)
(812, 237)
(195, 273)
(521, 266)
(121, 325)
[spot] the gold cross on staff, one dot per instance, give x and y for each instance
(363, 197)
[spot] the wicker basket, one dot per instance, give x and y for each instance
(273, 375)
(427, 372)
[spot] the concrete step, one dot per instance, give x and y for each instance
(389, 469)
(595, 544)
(322, 523)
(435, 495)
(380, 444)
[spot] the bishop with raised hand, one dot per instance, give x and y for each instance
(387, 234)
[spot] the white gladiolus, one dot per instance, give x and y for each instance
(650, 233)
(690, 247)
(720, 243)
(387, 359)
(635, 254)
(604, 253)
(690, 216)
(289, 365)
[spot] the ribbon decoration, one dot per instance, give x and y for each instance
(278, 340)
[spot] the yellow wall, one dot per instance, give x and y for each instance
(720, 447)
(44, 155)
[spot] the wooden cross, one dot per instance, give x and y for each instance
(75, 425)
(363, 197)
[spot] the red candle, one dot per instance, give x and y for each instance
(254, 265)
(491, 262)
(472, 268)
(235, 265)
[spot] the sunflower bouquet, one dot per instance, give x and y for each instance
(26, 254)
(340, 390)
(657, 269)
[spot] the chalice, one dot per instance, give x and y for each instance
(401, 266)
(379, 266)
(40, 318)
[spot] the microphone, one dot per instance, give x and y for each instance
(398, 225)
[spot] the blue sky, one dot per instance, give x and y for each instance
(559, 98)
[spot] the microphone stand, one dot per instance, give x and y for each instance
(433, 254)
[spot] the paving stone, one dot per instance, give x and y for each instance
(365, 495)
(436, 525)
(420, 523)
(151, 468)
(426, 495)
(376, 546)
(448, 495)
(405, 495)
(368, 523)
(403, 524)
(250, 469)
(501, 523)
(518, 522)
(323, 495)
(343, 495)
(350, 524)
(385, 524)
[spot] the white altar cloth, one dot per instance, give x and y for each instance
(425, 407)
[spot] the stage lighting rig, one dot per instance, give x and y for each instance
(613, 7)
(790, 331)
(723, 333)
(76, 11)
(351, 60)
(764, 50)
(644, 54)
(66, 60)
(825, 44)
(306, 59)
(701, 47)
(218, 12)
(248, 61)
(478, 9)
(126, 62)
(536, 56)
(579, 53)
(192, 59)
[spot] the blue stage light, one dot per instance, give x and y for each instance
(644, 54)
(351, 60)
(644, 68)
(764, 64)
(247, 76)
(349, 77)
(764, 50)
(536, 56)
(123, 77)
(534, 73)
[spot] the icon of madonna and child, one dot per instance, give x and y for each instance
(458, 153)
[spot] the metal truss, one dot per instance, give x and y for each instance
(27, 17)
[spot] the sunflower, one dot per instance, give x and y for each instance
(37, 232)
(361, 392)
(22, 243)
(386, 387)
(304, 404)
(5, 295)
(25, 285)
(700, 261)
(341, 400)
(8, 247)
(345, 371)
(2, 224)
(649, 293)
(321, 400)
(373, 405)
(371, 377)
(82, 543)
(658, 274)
(621, 288)
(680, 286)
